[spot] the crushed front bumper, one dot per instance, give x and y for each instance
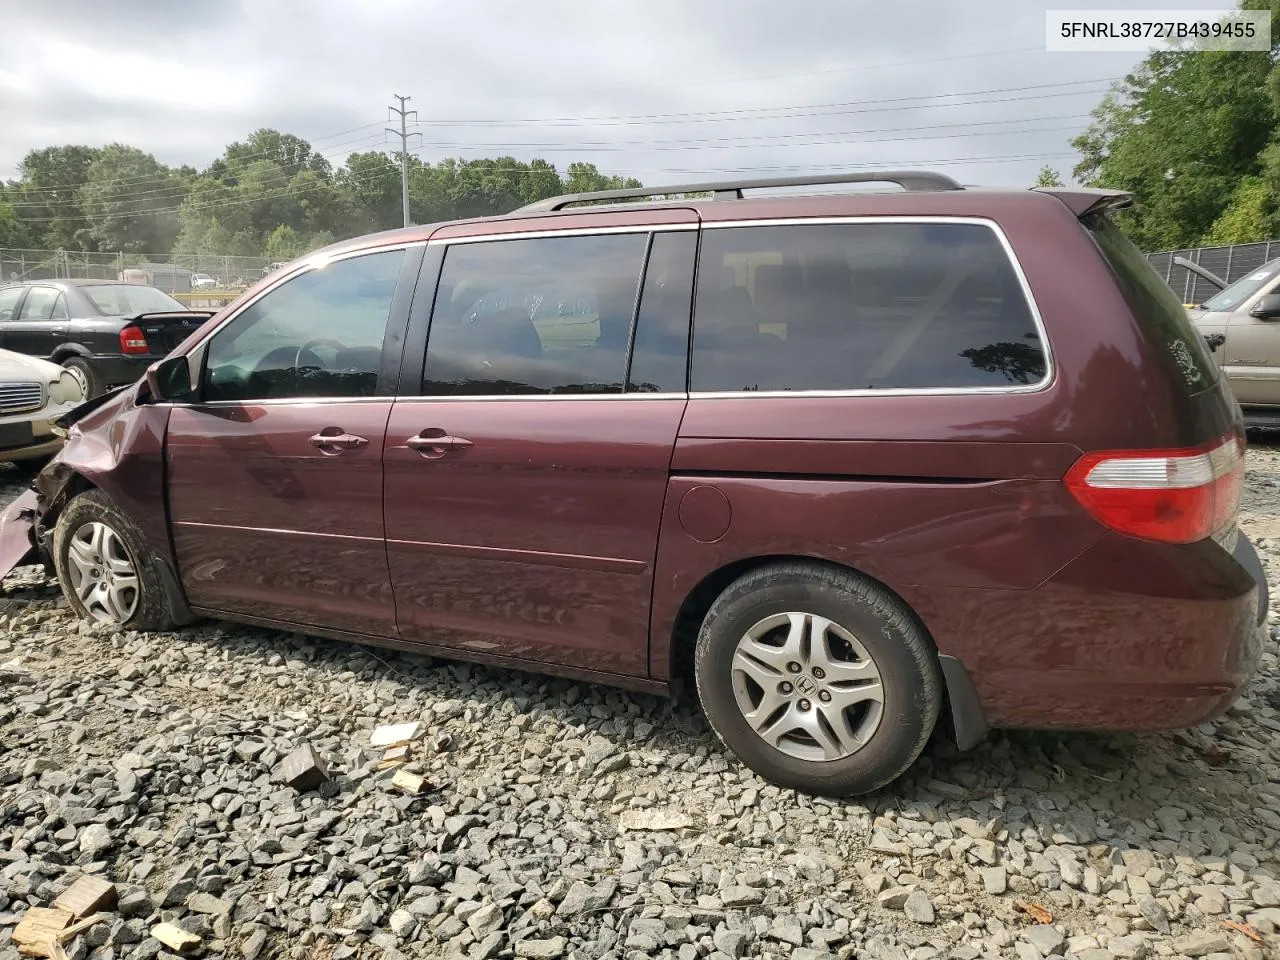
(18, 542)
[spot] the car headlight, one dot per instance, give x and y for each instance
(66, 389)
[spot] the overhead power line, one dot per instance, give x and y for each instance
(712, 116)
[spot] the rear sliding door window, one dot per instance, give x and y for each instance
(536, 316)
(860, 306)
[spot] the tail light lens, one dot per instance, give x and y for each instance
(1174, 496)
(132, 340)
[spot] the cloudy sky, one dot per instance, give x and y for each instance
(664, 90)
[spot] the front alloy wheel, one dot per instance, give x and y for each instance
(102, 573)
(104, 568)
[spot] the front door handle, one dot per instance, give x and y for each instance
(434, 443)
(334, 440)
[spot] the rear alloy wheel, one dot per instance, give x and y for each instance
(818, 678)
(104, 568)
(807, 686)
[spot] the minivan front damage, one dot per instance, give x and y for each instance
(114, 443)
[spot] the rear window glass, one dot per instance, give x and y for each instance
(1153, 304)
(861, 306)
(124, 299)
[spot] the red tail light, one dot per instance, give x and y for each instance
(1175, 496)
(133, 341)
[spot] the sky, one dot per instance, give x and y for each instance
(668, 91)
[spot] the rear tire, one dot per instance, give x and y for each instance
(104, 568)
(818, 678)
(80, 368)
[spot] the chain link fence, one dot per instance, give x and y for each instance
(173, 274)
(1230, 263)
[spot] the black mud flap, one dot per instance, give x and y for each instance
(1247, 557)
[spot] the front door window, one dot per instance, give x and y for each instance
(317, 335)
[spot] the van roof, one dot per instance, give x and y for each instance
(921, 193)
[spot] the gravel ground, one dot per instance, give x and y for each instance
(568, 820)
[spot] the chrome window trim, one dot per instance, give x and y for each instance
(569, 232)
(456, 398)
(1050, 373)
(314, 263)
(327, 401)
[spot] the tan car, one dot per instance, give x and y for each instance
(1244, 321)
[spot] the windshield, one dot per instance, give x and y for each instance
(126, 299)
(1244, 288)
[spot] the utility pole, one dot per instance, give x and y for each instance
(404, 135)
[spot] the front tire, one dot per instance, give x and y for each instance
(104, 568)
(818, 678)
(82, 370)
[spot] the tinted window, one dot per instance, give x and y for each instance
(318, 335)
(9, 298)
(40, 304)
(1153, 303)
(661, 351)
(546, 315)
(860, 306)
(123, 299)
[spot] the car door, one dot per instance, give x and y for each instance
(275, 467)
(527, 461)
(1251, 355)
(10, 303)
(32, 332)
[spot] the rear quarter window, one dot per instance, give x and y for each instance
(861, 306)
(1154, 306)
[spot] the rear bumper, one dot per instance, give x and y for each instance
(114, 371)
(1129, 636)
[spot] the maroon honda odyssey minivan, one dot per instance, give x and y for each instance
(853, 463)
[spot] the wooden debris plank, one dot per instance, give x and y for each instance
(394, 757)
(175, 938)
(38, 928)
(81, 926)
(87, 895)
(408, 782)
(394, 733)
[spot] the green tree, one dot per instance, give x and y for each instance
(47, 196)
(291, 154)
(1248, 217)
(1048, 177)
(372, 180)
(284, 243)
(130, 201)
(584, 178)
(1182, 133)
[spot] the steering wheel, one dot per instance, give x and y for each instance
(318, 342)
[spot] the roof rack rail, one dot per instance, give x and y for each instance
(909, 180)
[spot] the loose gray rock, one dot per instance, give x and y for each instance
(542, 949)
(918, 908)
(402, 923)
(1046, 938)
(1201, 943)
(995, 880)
(94, 839)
